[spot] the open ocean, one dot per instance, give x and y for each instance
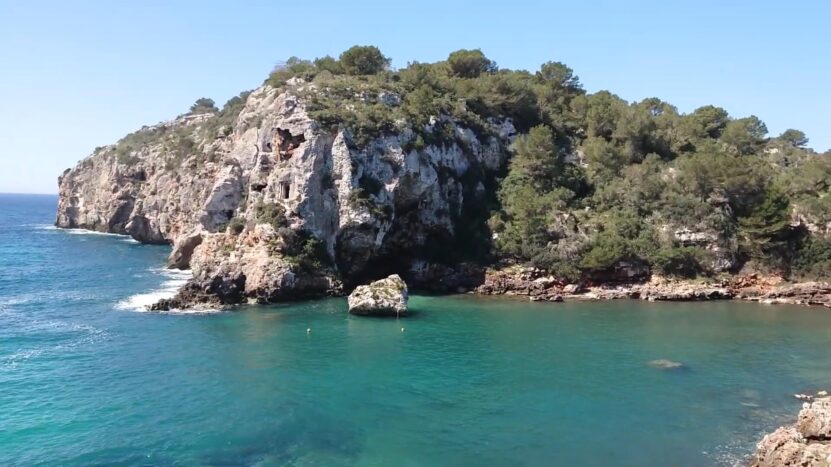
(88, 378)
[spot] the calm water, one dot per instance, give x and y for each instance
(85, 379)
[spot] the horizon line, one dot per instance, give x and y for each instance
(29, 194)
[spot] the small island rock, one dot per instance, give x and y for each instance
(385, 297)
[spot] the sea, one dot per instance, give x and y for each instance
(89, 377)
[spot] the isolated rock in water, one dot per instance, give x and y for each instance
(803, 444)
(385, 297)
(664, 364)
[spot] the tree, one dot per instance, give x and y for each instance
(203, 105)
(560, 75)
(363, 60)
(710, 120)
(538, 187)
(601, 112)
(536, 160)
(795, 138)
(744, 136)
(470, 63)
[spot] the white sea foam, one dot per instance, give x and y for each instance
(175, 279)
(81, 231)
(93, 232)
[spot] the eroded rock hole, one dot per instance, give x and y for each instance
(286, 143)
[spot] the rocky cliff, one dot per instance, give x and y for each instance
(264, 203)
(806, 443)
(341, 171)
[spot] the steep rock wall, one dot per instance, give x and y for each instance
(274, 206)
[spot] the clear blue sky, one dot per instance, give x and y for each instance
(76, 75)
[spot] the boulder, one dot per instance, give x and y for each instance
(385, 297)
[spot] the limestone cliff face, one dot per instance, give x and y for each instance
(273, 205)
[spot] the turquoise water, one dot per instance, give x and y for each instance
(87, 380)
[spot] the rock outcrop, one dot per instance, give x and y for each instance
(807, 443)
(264, 203)
(803, 293)
(538, 286)
(384, 297)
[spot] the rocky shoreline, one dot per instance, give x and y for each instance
(537, 286)
(806, 443)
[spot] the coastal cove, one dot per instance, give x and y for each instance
(89, 379)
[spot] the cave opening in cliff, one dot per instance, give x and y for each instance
(287, 143)
(285, 190)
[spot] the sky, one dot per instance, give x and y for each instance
(81, 74)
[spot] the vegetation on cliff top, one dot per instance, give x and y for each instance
(595, 181)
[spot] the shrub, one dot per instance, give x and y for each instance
(236, 225)
(813, 260)
(687, 262)
(304, 251)
(271, 214)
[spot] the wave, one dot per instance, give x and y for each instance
(175, 280)
(80, 231)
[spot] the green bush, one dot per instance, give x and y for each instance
(236, 225)
(685, 262)
(813, 260)
(271, 214)
(304, 251)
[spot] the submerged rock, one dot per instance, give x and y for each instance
(806, 443)
(385, 297)
(664, 364)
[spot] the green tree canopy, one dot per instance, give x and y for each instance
(363, 60)
(470, 63)
(560, 75)
(329, 64)
(795, 138)
(203, 105)
(744, 136)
